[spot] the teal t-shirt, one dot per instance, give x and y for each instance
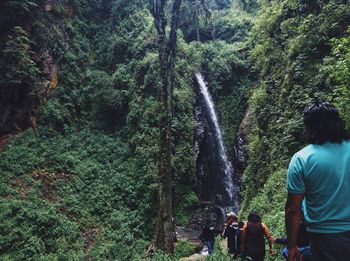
(322, 174)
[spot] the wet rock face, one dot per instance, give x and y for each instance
(201, 157)
(50, 71)
(19, 107)
(240, 156)
(15, 111)
(206, 213)
(20, 103)
(208, 164)
(213, 169)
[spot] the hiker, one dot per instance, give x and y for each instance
(303, 243)
(207, 237)
(233, 234)
(320, 174)
(253, 233)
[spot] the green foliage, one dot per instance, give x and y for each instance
(160, 256)
(120, 237)
(300, 52)
(20, 6)
(233, 25)
(185, 206)
(183, 248)
(20, 69)
(337, 67)
(35, 230)
(54, 115)
(211, 20)
(108, 102)
(269, 202)
(13, 12)
(85, 178)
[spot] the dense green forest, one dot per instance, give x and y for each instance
(79, 114)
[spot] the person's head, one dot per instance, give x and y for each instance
(323, 123)
(232, 217)
(254, 217)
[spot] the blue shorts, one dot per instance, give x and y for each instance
(305, 251)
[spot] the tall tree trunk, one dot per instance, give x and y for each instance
(196, 8)
(208, 18)
(244, 4)
(166, 49)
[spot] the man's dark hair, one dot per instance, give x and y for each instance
(254, 217)
(323, 123)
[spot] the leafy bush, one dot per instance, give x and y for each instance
(62, 179)
(183, 249)
(32, 229)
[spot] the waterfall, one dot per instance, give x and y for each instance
(229, 195)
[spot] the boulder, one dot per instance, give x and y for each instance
(194, 257)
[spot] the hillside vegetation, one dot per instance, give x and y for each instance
(81, 183)
(300, 52)
(79, 89)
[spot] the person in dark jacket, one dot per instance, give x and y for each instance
(232, 232)
(208, 237)
(253, 233)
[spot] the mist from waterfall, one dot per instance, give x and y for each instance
(230, 193)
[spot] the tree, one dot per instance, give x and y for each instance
(166, 49)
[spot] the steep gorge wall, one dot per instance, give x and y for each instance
(29, 67)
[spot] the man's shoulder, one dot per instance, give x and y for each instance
(306, 152)
(346, 142)
(312, 149)
(315, 152)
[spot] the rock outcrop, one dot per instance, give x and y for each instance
(194, 257)
(21, 99)
(240, 145)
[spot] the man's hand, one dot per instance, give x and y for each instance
(292, 216)
(270, 252)
(294, 254)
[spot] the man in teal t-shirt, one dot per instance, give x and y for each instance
(320, 175)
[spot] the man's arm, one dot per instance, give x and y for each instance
(224, 233)
(280, 241)
(268, 236)
(292, 219)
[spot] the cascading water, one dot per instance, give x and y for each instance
(226, 190)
